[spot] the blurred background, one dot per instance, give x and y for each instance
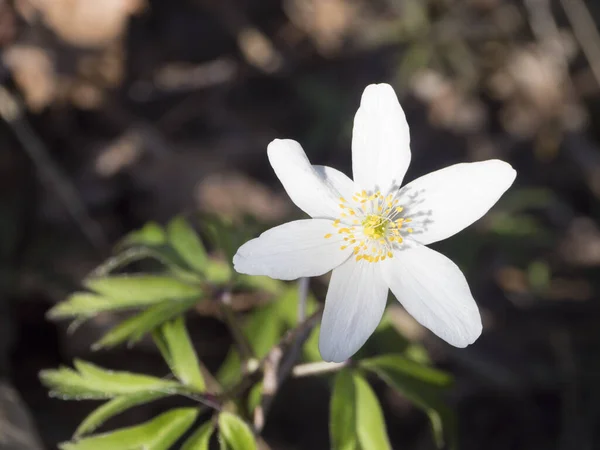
(117, 112)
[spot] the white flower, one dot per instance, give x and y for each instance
(373, 234)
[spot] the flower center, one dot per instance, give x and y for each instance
(372, 225)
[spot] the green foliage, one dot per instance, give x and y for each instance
(539, 275)
(263, 329)
(388, 339)
(422, 385)
(179, 353)
(200, 440)
(234, 433)
(114, 407)
(255, 396)
(92, 382)
(187, 244)
(159, 433)
(134, 328)
(124, 292)
(160, 300)
(142, 290)
(356, 419)
(151, 235)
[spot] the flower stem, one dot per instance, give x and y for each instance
(302, 298)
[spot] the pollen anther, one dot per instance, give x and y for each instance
(376, 227)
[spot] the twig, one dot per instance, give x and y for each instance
(12, 111)
(585, 32)
(317, 368)
(244, 347)
(278, 364)
(301, 332)
(270, 387)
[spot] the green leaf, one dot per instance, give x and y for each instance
(151, 235)
(93, 382)
(182, 357)
(187, 244)
(223, 235)
(142, 290)
(408, 372)
(255, 397)
(262, 283)
(266, 325)
(262, 329)
(235, 432)
(356, 419)
(134, 328)
(218, 272)
(423, 385)
(124, 292)
(81, 304)
(200, 440)
(370, 422)
(159, 433)
(114, 407)
(342, 414)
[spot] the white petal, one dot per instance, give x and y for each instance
(445, 202)
(435, 292)
(380, 140)
(292, 250)
(337, 181)
(302, 182)
(353, 308)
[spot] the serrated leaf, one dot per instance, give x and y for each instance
(235, 432)
(356, 419)
(421, 384)
(68, 384)
(187, 244)
(134, 328)
(142, 290)
(82, 304)
(93, 382)
(159, 433)
(151, 235)
(114, 407)
(182, 357)
(200, 440)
